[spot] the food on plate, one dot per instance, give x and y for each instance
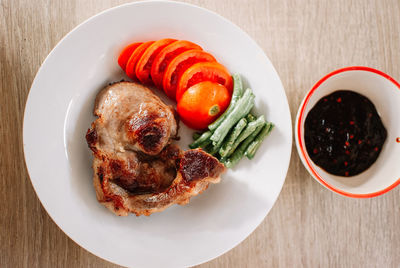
(174, 66)
(179, 65)
(233, 137)
(242, 108)
(236, 95)
(237, 132)
(207, 96)
(203, 71)
(232, 143)
(202, 103)
(132, 117)
(130, 68)
(136, 168)
(143, 66)
(165, 56)
(344, 133)
(255, 142)
(126, 54)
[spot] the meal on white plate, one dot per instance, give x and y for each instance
(137, 167)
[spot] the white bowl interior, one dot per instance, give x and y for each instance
(386, 97)
(59, 111)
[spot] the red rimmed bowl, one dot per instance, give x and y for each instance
(384, 92)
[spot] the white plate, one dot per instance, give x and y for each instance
(58, 113)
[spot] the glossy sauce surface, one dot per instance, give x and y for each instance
(343, 133)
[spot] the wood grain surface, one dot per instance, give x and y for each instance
(309, 226)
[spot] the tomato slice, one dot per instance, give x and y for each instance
(179, 65)
(143, 66)
(165, 56)
(134, 58)
(126, 54)
(204, 71)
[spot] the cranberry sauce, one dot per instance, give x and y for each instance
(344, 133)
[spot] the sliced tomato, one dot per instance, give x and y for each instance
(165, 56)
(204, 71)
(179, 65)
(202, 103)
(143, 66)
(134, 58)
(126, 54)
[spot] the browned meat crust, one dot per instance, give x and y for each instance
(136, 169)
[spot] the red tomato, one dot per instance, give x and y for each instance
(202, 104)
(165, 56)
(143, 66)
(126, 54)
(179, 65)
(204, 71)
(134, 58)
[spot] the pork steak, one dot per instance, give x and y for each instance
(136, 168)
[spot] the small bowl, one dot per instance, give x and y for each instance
(384, 92)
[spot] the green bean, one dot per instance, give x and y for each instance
(232, 161)
(236, 95)
(250, 128)
(242, 108)
(233, 135)
(250, 117)
(243, 146)
(253, 147)
(205, 144)
(204, 137)
(240, 151)
(196, 135)
(214, 149)
(209, 147)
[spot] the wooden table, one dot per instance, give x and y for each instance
(309, 226)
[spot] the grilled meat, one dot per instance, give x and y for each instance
(136, 168)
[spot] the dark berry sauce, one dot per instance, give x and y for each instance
(344, 133)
